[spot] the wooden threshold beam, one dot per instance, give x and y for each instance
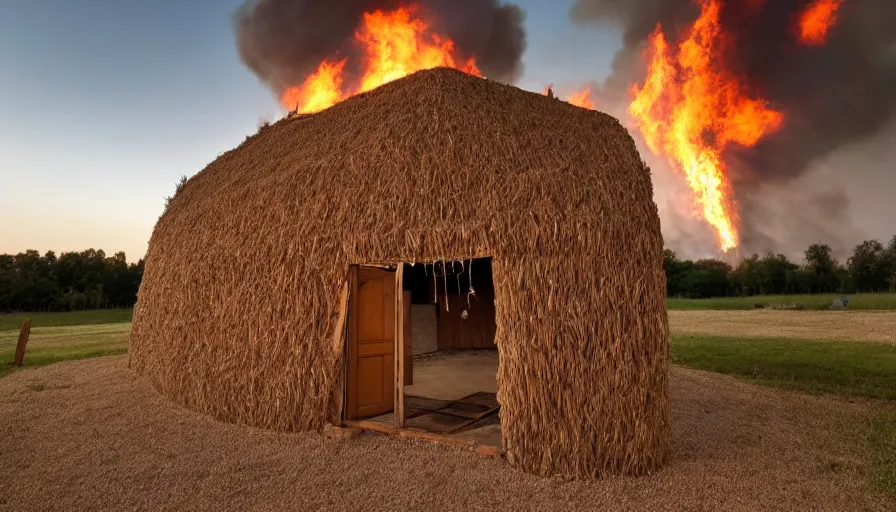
(411, 433)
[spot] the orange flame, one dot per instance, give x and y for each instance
(690, 108)
(321, 90)
(816, 21)
(582, 99)
(393, 45)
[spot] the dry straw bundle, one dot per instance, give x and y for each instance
(238, 306)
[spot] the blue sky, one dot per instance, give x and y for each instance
(104, 104)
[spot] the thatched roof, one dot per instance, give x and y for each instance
(238, 303)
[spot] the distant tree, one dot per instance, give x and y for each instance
(773, 271)
(707, 278)
(72, 281)
(869, 267)
(8, 278)
(745, 278)
(34, 285)
(115, 282)
(844, 278)
(820, 270)
(891, 263)
(799, 280)
(772, 274)
(676, 271)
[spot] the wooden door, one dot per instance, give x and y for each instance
(372, 344)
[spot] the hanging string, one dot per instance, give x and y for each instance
(471, 291)
(445, 280)
(435, 286)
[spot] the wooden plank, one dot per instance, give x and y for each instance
(373, 387)
(408, 342)
(339, 345)
(403, 432)
(437, 438)
(399, 347)
(381, 266)
(371, 300)
(444, 405)
(351, 346)
(476, 331)
(475, 420)
(459, 414)
(374, 348)
(389, 303)
(371, 425)
(23, 341)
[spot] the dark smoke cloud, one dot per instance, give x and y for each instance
(283, 41)
(638, 19)
(833, 96)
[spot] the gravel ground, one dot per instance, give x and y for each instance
(89, 435)
(879, 326)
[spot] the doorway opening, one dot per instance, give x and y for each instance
(439, 355)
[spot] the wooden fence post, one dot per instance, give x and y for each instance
(23, 340)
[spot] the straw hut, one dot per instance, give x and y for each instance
(247, 298)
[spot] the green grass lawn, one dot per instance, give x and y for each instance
(100, 316)
(867, 301)
(845, 368)
(53, 344)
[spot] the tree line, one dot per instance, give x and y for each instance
(70, 282)
(89, 279)
(871, 268)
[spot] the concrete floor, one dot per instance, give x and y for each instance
(486, 435)
(454, 375)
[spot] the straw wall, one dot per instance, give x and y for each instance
(238, 304)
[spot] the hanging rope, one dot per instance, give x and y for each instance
(445, 281)
(471, 291)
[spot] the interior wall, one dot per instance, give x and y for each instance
(477, 330)
(424, 328)
(440, 293)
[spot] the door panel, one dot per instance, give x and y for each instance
(370, 378)
(371, 324)
(374, 343)
(374, 349)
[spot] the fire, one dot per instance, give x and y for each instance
(816, 21)
(690, 108)
(582, 99)
(396, 45)
(320, 90)
(393, 45)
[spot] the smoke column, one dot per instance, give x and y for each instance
(283, 41)
(833, 96)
